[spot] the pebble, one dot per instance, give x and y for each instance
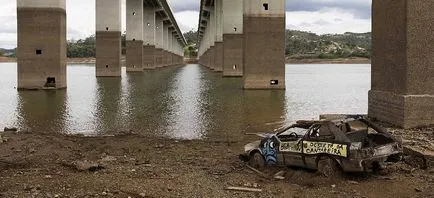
(333, 186)
(418, 190)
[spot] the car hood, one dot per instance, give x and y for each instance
(252, 146)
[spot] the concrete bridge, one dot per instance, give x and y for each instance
(238, 38)
(247, 38)
(153, 40)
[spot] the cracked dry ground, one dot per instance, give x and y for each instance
(131, 165)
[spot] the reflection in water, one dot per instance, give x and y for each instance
(184, 102)
(108, 113)
(43, 111)
(187, 115)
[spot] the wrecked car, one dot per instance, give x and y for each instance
(352, 144)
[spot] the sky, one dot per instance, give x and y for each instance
(318, 16)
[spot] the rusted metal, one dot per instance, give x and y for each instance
(355, 143)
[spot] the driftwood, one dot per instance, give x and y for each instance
(244, 189)
(257, 171)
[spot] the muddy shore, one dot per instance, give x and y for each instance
(131, 165)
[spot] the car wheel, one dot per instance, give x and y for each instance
(329, 168)
(257, 160)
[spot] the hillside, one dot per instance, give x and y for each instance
(300, 44)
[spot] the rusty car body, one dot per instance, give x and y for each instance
(351, 144)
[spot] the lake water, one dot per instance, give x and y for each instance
(185, 102)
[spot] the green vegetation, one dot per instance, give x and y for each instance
(190, 51)
(300, 44)
(11, 53)
(81, 48)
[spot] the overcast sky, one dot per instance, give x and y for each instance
(319, 16)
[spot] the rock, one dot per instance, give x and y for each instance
(418, 190)
(87, 166)
(13, 129)
(419, 158)
(108, 159)
(353, 182)
(333, 186)
(142, 194)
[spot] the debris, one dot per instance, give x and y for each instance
(243, 189)
(86, 166)
(13, 129)
(257, 171)
(2, 139)
(333, 186)
(353, 182)
(421, 159)
(280, 175)
(418, 190)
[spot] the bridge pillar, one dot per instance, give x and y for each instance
(159, 42)
(233, 37)
(166, 44)
(108, 38)
(264, 44)
(134, 40)
(402, 91)
(149, 41)
(211, 40)
(218, 37)
(41, 44)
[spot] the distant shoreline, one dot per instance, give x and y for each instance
(352, 60)
(91, 60)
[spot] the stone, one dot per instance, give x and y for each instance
(87, 166)
(13, 129)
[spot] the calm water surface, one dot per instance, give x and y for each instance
(187, 102)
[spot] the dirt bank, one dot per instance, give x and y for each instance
(352, 60)
(128, 164)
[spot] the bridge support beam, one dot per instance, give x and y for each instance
(41, 44)
(108, 38)
(134, 40)
(233, 38)
(402, 91)
(264, 44)
(165, 44)
(218, 37)
(149, 38)
(159, 42)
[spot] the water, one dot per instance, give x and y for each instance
(186, 102)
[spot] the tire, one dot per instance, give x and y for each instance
(328, 167)
(256, 160)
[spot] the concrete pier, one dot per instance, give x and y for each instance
(233, 38)
(264, 44)
(218, 35)
(41, 48)
(149, 43)
(134, 36)
(108, 38)
(402, 90)
(159, 43)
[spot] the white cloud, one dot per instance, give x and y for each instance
(327, 20)
(187, 20)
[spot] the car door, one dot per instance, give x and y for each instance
(290, 148)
